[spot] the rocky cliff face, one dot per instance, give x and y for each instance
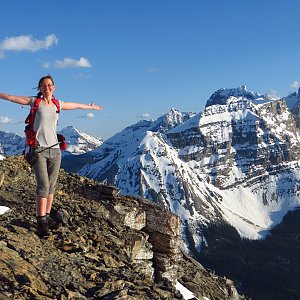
(238, 138)
(103, 245)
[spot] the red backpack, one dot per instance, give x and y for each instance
(30, 134)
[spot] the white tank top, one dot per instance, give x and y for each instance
(45, 123)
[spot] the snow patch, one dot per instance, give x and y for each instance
(186, 293)
(3, 209)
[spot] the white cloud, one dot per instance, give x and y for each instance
(295, 84)
(146, 116)
(27, 43)
(69, 63)
(6, 120)
(88, 116)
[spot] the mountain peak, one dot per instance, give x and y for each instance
(170, 120)
(79, 142)
(220, 96)
(71, 129)
(293, 100)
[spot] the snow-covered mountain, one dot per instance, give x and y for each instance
(77, 142)
(11, 143)
(293, 100)
(237, 161)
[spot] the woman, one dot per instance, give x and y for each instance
(46, 169)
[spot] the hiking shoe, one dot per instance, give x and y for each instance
(52, 221)
(42, 228)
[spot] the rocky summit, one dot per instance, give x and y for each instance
(102, 245)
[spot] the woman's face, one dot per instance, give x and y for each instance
(47, 87)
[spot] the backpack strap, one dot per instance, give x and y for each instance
(34, 108)
(56, 102)
(37, 103)
(29, 132)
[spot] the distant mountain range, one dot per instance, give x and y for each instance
(11, 143)
(236, 161)
(77, 142)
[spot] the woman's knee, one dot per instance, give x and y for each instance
(43, 191)
(52, 190)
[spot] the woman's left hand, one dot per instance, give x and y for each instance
(96, 107)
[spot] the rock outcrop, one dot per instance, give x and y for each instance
(103, 245)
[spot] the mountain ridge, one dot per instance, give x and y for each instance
(102, 245)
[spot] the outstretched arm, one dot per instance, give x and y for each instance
(16, 99)
(73, 105)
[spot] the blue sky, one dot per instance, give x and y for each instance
(140, 58)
